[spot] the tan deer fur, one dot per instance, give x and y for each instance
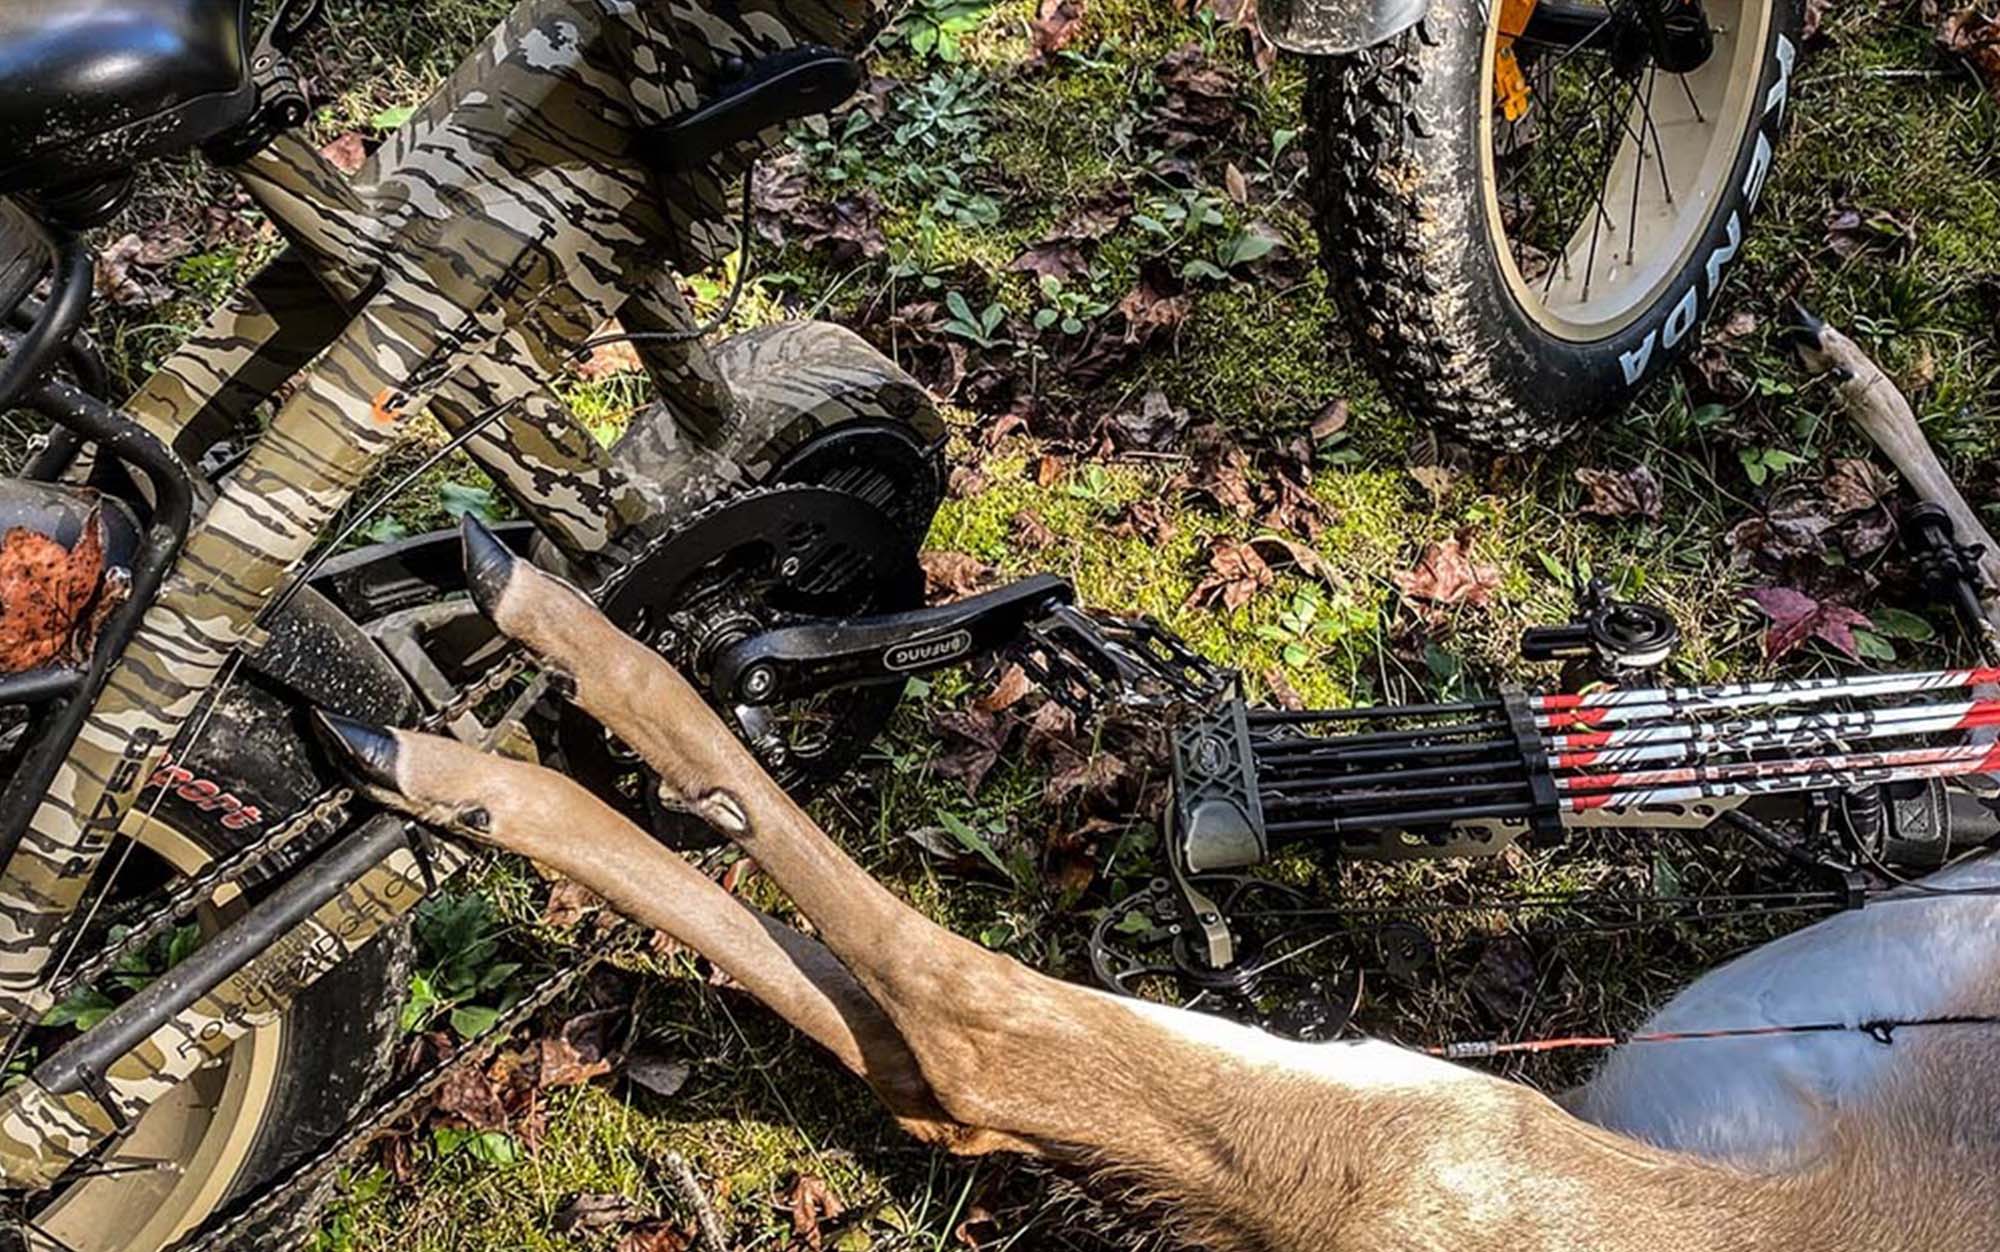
(1245, 1141)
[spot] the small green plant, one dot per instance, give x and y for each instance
(1091, 483)
(1179, 220)
(982, 328)
(1240, 248)
(1311, 625)
(1760, 465)
(458, 935)
(1069, 309)
(1886, 626)
(87, 1006)
(934, 28)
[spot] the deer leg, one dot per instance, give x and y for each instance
(542, 815)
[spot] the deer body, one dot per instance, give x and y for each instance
(1246, 1141)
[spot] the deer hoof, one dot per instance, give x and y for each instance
(489, 564)
(366, 753)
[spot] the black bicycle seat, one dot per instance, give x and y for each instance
(89, 88)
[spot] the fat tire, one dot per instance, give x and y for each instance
(1399, 208)
(340, 1035)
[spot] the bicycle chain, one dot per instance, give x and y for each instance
(327, 811)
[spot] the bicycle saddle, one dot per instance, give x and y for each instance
(89, 88)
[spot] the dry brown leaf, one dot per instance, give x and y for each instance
(1436, 480)
(1854, 484)
(347, 153)
(596, 1210)
(1236, 573)
(562, 1064)
(1975, 35)
(45, 592)
(1618, 494)
(1053, 27)
(1236, 184)
(1049, 470)
(1009, 689)
(1283, 694)
(953, 575)
(569, 903)
(1447, 575)
(1148, 520)
(811, 1202)
(1279, 551)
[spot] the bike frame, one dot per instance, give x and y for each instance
(454, 274)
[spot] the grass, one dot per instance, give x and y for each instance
(1261, 355)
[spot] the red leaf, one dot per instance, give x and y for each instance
(1797, 617)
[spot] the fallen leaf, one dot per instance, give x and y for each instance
(1149, 310)
(1794, 525)
(1052, 258)
(1331, 420)
(657, 1237)
(1154, 425)
(1618, 494)
(1279, 551)
(1148, 520)
(1009, 689)
(660, 1075)
(347, 153)
(1236, 184)
(1797, 617)
(1975, 35)
(976, 738)
(1447, 575)
(1503, 981)
(1049, 470)
(569, 903)
(1085, 776)
(596, 1210)
(1053, 27)
(811, 1202)
(468, 1097)
(561, 1064)
(45, 594)
(1031, 532)
(1236, 573)
(953, 575)
(1854, 484)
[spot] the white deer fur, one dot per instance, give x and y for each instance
(1252, 1143)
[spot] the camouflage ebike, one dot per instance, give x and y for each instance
(163, 628)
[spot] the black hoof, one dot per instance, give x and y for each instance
(367, 753)
(1805, 330)
(489, 563)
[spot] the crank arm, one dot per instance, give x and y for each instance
(776, 89)
(795, 661)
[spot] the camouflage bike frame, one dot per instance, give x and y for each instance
(454, 274)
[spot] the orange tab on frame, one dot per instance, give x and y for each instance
(389, 405)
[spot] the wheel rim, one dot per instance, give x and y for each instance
(207, 1124)
(1601, 193)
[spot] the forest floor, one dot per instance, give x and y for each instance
(1182, 388)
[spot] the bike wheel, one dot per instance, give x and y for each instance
(283, 1087)
(1516, 267)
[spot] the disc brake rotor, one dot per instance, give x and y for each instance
(747, 563)
(1293, 978)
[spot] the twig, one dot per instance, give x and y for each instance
(690, 1189)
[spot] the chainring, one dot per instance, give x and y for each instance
(1292, 978)
(745, 563)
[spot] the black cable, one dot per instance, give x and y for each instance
(744, 249)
